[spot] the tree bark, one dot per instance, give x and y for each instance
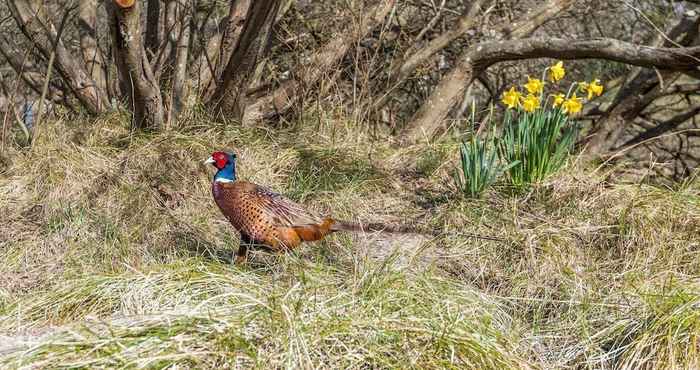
(92, 55)
(321, 64)
(179, 85)
(134, 70)
(229, 99)
(37, 28)
(218, 52)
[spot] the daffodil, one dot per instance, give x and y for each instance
(557, 71)
(594, 88)
(572, 105)
(534, 86)
(558, 100)
(531, 103)
(511, 98)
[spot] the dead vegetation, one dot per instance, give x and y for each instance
(113, 254)
(412, 67)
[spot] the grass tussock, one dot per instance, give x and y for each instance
(662, 333)
(113, 254)
(200, 314)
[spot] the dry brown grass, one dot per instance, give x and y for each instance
(113, 254)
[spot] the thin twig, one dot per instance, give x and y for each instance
(11, 98)
(45, 89)
(624, 150)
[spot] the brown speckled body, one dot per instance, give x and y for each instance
(265, 217)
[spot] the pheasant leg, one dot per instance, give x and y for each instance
(242, 253)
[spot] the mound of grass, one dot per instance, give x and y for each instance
(113, 254)
(660, 331)
(332, 169)
(200, 314)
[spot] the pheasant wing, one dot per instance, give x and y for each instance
(283, 211)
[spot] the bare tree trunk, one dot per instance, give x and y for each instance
(37, 28)
(229, 98)
(451, 88)
(219, 49)
(321, 64)
(92, 55)
(179, 85)
(133, 68)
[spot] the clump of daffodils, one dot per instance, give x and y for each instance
(536, 141)
(568, 103)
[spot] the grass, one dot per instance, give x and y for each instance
(480, 167)
(536, 144)
(113, 255)
(662, 333)
(311, 317)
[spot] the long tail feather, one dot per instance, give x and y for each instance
(400, 229)
(357, 227)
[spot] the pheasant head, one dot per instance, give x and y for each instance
(225, 164)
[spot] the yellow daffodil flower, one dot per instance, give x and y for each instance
(558, 100)
(557, 71)
(534, 86)
(531, 103)
(572, 105)
(594, 88)
(511, 98)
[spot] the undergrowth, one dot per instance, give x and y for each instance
(113, 254)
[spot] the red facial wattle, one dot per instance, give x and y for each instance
(220, 160)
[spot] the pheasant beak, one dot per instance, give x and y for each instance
(210, 161)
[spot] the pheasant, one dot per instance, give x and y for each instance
(268, 219)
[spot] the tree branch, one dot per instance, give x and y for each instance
(452, 86)
(662, 128)
(230, 95)
(320, 65)
(639, 85)
(676, 59)
(41, 32)
(484, 55)
(402, 68)
(31, 77)
(218, 52)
